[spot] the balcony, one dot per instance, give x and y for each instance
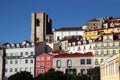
(107, 40)
(106, 47)
(12, 57)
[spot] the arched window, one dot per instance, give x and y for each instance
(58, 63)
(69, 63)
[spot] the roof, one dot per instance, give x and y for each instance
(93, 20)
(66, 55)
(69, 29)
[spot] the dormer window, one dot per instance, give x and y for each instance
(32, 44)
(18, 45)
(100, 38)
(79, 43)
(84, 42)
(8, 46)
(69, 44)
(73, 43)
(12, 46)
(90, 41)
(28, 45)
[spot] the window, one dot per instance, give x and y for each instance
(37, 39)
(26, 61)
(83, 71)
(48, 58)
(84, 42)
(37, 22)
(69, 44)
(88, 61)
(11, 61)
(79, 48)
(79, 43)
(108, 44)
(96, 53)
(58, 63)
(31, 53)
(102, 60)
(102, 44)
(84, 48)
(108, 37)
(108, 52)
(16, 70)
(10, 69)
(102, 53)
(69, 63)
(21, 54)
(26, 53)
(38, 58)
(73, 43)
(42, 65)
(48, 64)
(96, 61)
(96, 45)
(58, 38)
(6, 69)
(42, 58)
(114, 52)
(113, 44)
(16, 61)
(82, 61)
(90, 47)
(38, 64)
(31, 61)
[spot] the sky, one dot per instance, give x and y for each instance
(15, 15)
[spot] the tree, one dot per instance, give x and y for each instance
(23, 75)
(50, 75)
(94, 73)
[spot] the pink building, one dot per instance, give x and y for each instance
(44, 62)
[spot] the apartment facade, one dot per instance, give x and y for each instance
(21, 56)
(76, 63)
(106, 45)
(44, 62)
(80, 46)
(61, 33)
(110, 68)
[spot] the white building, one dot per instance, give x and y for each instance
(21, 56)
(81, 46)
(61, 33)
(73, 63)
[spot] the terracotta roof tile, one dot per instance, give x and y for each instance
(65, 55)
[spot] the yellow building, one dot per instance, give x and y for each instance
(109, 69)
(105, 46)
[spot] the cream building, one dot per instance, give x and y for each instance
(73, 63)
(110, 68)
(1, 64)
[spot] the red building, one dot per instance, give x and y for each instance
(44, 62)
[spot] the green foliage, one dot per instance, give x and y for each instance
(23, 75)
(94, 73)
